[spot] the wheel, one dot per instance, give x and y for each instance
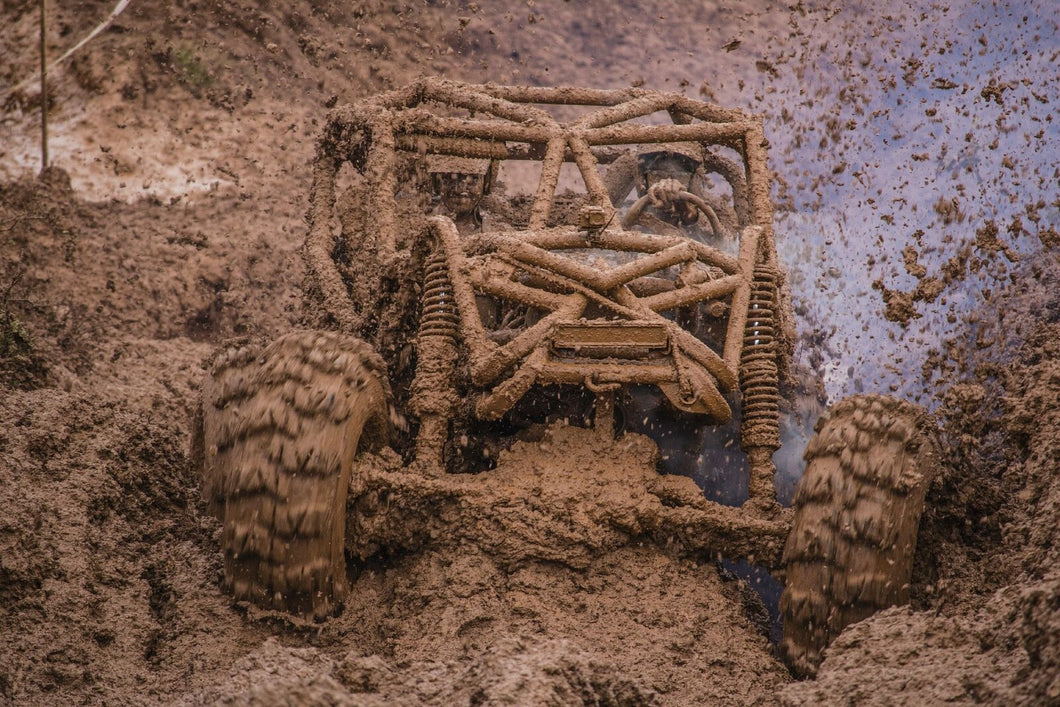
(226, 387)
(857, 508)
(281, 430)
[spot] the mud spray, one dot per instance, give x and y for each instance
(888, 187)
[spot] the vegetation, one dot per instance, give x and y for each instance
(191, 70)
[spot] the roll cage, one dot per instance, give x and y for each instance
(601, 325)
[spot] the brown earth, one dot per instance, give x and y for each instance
(183, 134)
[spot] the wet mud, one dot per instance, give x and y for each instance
(922, 262)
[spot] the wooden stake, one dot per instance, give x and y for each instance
(43, 90)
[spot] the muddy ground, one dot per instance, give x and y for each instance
(181, 137)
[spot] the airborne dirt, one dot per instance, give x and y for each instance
(182, 137)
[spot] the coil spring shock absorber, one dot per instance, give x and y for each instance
(758, 365)
(438, 317)
(434, 397)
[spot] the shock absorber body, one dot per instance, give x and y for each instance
(759, 384)
(434, 396)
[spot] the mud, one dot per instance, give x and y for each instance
(184, 134)
(987, 579)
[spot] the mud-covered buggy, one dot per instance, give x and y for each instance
(438, 341)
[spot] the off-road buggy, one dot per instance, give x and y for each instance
(432, 350)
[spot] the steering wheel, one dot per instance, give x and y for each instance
(638, 208)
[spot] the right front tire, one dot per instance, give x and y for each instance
(857, 508)
(281, 430)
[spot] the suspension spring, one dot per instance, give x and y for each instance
(434, 396)
(759, 377)
(439, 315)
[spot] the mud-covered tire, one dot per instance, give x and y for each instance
(857, 508)
(281, 430)
(226, 388)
